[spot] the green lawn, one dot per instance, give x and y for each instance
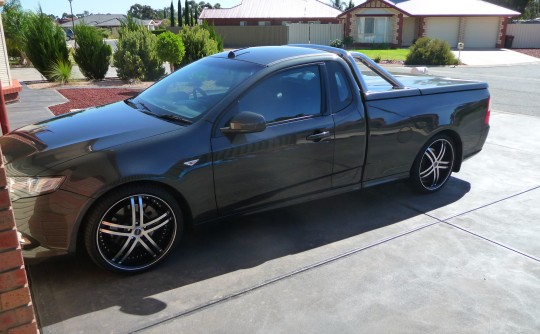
(396, 54)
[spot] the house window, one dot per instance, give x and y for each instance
(264, 23)
(243, 23)
(374, 30)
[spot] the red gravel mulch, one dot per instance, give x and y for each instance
(529, 52)
(91, 97)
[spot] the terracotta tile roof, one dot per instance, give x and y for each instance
(273, 9)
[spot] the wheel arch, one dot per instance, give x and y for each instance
(456, 140)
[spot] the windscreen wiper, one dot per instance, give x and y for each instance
(175, 118)
(148, 111)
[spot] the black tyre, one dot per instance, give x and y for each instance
(433, 165)
(133, 228)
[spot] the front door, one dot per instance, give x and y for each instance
(292, 157)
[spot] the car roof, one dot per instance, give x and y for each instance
(267, 55)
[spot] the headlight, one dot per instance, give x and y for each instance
(22, 187)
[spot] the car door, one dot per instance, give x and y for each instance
(292, 157)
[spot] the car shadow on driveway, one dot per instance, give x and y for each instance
(67, 287)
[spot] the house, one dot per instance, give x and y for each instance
(399, 23)
(112, 22)
(271, 13)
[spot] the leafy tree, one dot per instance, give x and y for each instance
(44, 43)
(532, 10)
(338, 4)
(170, 48)
(142, 12)
(136, 56)
(172, 14)
(92, 54)
(83, 14)
(165, 23)
(517, 5)
(217, 6)
(197, 43)
(350, 5)
(15, 25)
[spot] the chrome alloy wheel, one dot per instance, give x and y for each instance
(136, 232)
(436, 164)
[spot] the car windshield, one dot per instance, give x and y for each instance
(194, 89)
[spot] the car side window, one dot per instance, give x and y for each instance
(286, 95)
(340, 90)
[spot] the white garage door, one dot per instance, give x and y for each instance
(445, 28)
(481, 32)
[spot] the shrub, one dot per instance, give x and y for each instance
(348, 41)
(92, 54)
(105, 33)
(197, 43)
(136, 56)
(45, 43)
(377, 59)
(427, 51)
(337, 43)
(60, 71)
(170, 48)
(213, 35)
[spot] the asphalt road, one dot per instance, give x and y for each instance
(514, 89)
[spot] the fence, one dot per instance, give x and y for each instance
(525, 35)
(296, 33)
(242, 36)
(314, 33)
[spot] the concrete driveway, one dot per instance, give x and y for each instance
(466, 260)
(385, 260)
(493, 57)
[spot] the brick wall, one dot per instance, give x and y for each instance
(16, 310)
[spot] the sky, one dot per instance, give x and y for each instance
(57, 7)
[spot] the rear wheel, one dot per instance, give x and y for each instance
(132, 229)
(433, 165)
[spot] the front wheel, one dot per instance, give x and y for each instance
(132, 229)
(433, 165)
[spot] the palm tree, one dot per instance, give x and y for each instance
(338, 4)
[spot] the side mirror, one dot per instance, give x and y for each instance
(246, 122)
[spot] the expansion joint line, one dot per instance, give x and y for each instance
(494, 242)
(280, 278)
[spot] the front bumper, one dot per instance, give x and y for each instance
(51, 220)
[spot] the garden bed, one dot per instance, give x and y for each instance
(529, 52)
(81, 98)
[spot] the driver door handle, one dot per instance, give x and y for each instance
(319, 135)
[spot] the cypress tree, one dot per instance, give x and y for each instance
(172, 14)
(179, 13)
(186, 12)
(191, 16)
